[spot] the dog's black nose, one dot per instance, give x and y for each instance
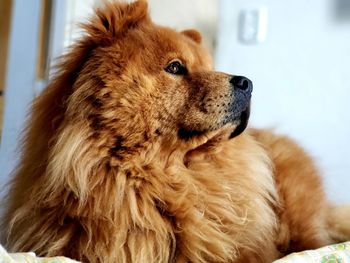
(242, 83)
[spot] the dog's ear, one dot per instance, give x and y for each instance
(193, 34)
(115, 18)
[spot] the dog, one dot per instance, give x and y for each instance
(138, 151)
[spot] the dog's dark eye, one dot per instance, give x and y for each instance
(176, 68)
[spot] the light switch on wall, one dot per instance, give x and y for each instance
(253, 25)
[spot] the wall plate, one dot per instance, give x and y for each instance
(253, 25)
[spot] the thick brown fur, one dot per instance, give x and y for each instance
(124, 162)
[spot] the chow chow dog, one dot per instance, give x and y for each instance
(137, 152)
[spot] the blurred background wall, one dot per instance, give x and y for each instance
(301, 74)
(296, 52)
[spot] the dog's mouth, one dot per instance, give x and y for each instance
(241, 123)
(236, 120)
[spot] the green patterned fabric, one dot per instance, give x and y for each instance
(339, 253)
(30, 258)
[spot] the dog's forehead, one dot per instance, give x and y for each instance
(170, 44)
(156, 46)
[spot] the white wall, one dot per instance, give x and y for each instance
(22, 82)
(301, 76)
(20, 79)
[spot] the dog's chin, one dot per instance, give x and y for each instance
(241, 123)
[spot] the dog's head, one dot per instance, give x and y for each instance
(138, 81)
